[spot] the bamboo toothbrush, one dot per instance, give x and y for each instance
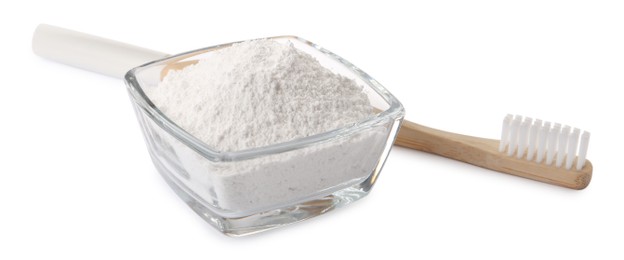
(528, 148)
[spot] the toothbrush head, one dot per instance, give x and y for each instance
(544, 142)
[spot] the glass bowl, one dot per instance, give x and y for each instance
(249, 191)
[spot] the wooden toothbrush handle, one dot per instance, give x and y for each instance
(484, 153)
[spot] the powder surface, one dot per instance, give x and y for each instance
(258, 93)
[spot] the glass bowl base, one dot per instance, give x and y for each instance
(267, 220)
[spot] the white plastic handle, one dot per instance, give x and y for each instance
(89, 52)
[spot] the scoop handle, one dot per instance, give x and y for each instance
(89, 52)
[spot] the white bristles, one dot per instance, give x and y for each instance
(523, 136)
(562, 146)
(580, 162)
(572, 143)
(513, 135)
(543, 142)
(542, 138)
(533, 138)
(552, 143)
(505, 133)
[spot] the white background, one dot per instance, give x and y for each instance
(76, 181)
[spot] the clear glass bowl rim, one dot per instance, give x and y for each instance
(394, 111)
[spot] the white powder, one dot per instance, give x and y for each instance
(259, 93)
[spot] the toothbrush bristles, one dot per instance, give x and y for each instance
(535, 127)
(553, 136)
(580, 162)
(572, 143)
(513, 135)
(535, 140)
(541, 144)
(505, 133)
(562, 145)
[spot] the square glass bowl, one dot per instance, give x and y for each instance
(254, 190)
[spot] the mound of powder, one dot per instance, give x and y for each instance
(258, 93)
